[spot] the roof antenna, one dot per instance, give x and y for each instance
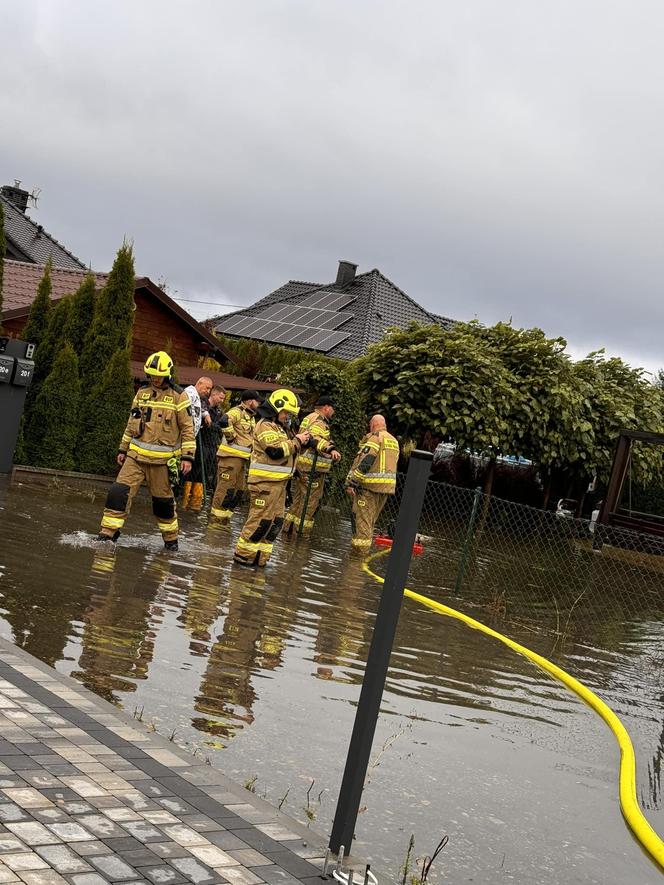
(34, 196)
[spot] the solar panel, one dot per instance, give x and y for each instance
(302, 336)
(296, 314)
(299, 315)
(229, 324)
(252, 326)
(272, 310)
(324, 340)
(311, 326)
(335, 320)
(330, 300)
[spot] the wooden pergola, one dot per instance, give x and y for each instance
(611, 513)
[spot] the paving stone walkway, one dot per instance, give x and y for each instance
(88, 797)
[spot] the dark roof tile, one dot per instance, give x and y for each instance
(32, 241)
(379, 305)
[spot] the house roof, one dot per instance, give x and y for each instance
(191, 374)
(31, 243)
(21, 280)
(373, 305)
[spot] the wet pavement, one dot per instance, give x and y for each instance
(88, 798)
(260, 673)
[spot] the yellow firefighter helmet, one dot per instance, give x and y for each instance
(284, 400)
(159, 364)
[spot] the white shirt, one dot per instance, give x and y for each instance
(196, 407)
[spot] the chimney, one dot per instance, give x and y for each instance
(16, 195)
(346, 273)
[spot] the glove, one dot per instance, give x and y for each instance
(173, 465)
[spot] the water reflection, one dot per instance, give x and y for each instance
(118, 635)
(226, 695)
(269, 663)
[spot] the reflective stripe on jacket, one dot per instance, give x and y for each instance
(160, 426)
(375, 465)
(269, 434)
(237, 438)
(319, 429)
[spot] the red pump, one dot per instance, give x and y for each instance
(384, 541)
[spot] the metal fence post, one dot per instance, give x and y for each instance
(366, 716)
(465, 550)
(307, 495)
(199, 450)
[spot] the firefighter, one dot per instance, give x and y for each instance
(158, 435)
(274, 450)
(233, 455)
(318, 425)
(371, 479)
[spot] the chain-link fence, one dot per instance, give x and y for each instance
(543, 569)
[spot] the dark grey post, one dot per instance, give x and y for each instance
(16, 371)
(366, 716)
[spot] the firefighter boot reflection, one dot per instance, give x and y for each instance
(264, 522)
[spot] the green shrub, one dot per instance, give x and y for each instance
(109, 403)
(52, 440)
(318, 376)
(82, 312)
(40, 309)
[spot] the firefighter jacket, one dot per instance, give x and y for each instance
(375, 465)
(320, 442)
(160, 426)
(274, 451)
(238, 436)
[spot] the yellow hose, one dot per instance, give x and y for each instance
(629, 805)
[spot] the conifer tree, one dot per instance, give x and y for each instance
(53, 440)
(3, 252)
(104, 423)
(113, 316)
(83, 305)
(52, 341)
(106, 343)
(40, 309)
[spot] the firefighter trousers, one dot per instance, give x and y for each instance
(122, 492)
(267, 502)
(299, 486)
(367, 507)
(231, 483)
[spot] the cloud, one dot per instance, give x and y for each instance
(494, 160)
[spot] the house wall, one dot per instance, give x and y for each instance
(155, 328)
(13, 328)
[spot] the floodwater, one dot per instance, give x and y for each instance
(260, 672)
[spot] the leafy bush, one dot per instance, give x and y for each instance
(318, 376)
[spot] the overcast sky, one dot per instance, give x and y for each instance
(494, 159)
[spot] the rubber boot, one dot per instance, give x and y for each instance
(114, 537)
(186, 495)
(196, 499)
